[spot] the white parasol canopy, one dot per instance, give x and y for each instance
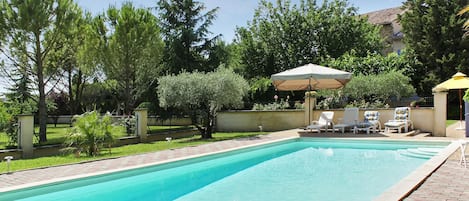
(310, 77)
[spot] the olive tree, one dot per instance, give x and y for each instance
(202, 94)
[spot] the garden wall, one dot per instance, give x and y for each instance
(251, 120)
(290, 119)
(421, 117)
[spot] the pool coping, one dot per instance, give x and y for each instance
(408, 184)
(62, 179)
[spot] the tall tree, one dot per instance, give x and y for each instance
(21, 90)
(133, 49)
(284, 36)
(29, 30)
(433, 32)
(186, 35)
(77, 59)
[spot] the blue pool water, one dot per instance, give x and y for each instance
(302, 169)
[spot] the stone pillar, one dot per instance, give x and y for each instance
(141, 125)
(26, 134)
(310, 102)
(439, 113)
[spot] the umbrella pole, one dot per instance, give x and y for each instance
(309, 107)
(309, 102)
(460, 111)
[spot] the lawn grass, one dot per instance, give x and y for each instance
(127, 150)
(160, 129)
(56, 134)
(450, 122)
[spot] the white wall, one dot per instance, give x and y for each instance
(289, 119)
(422, 118)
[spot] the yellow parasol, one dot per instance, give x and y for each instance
(458, 81)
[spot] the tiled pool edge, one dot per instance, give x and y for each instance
(61, 179)
(405, 186)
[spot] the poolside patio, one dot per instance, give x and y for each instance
(448, 182)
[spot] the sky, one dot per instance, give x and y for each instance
(231, 13)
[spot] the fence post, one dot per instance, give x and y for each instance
(142, 118)
(439, 113)
(26, 134)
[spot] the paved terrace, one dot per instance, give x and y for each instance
(448, 182)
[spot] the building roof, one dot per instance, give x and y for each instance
(386, 16)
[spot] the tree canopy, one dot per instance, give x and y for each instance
(185, 27)
(132, 51)
(202, 94)
(284, 36)
(112, 61)
(374, 63)
(433, 32)
(29, 31)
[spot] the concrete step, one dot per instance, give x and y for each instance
(425, 153)
(422, 135)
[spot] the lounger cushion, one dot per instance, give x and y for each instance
(394, 124)
(401, 114)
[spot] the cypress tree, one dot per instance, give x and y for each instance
(434, 34)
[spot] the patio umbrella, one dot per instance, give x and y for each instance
(458, 81)
(310, 77)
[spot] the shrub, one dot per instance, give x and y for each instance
(367, 91)
(381, 87)
(271, 106)
(466, 96)
(333, 99)
(5, 116)
(299, 105)
(90, 133)
(369, 105)
(8, 120)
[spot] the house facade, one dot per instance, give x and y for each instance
(391, 30)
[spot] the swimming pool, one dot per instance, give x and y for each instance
(300, 169)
